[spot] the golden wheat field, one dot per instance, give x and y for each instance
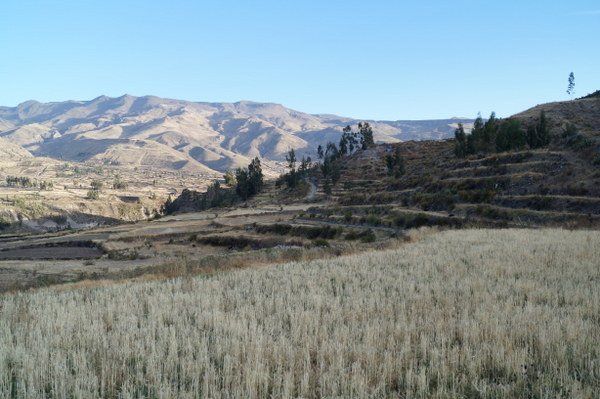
(472, 313)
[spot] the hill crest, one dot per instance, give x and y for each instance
(205, 137)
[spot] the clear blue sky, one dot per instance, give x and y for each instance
(364, 59)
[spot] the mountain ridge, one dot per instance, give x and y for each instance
(205, 137)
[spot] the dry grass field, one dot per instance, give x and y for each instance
(471, 313)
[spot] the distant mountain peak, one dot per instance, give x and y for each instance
(28, 103)
(155, 132)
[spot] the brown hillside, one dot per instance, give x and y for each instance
(556, 185)
(367, 208)
(584, 113)
(197, 137)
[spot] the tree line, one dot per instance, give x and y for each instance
(497, 135)
(329, 157)
(243, 183)
(296, 174)
(27, 182)
(240, 185)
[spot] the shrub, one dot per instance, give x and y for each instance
(577, 190)
(123, 255)
(320, 242)
(96, 184)
(368, 236)
(352, 235)
(420, 220)
(381, 198)
(347, 216)
(120, 185)
(476, 196)
(373, 220)
(327, 232)
(440, 200)
(354, 199)
(3, 223)
(281, 229)
(492, 213)
(544, 190)
(579, 141)
(540, 203)
(570, 131)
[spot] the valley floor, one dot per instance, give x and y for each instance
(131, 249)
(469, 313)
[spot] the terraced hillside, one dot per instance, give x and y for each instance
(368, 203)
(182, 244)
(42, 194)
(558, 185)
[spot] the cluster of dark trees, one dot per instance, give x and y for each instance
(295, 175)
(94, 192)
(242, 184)
(497, 135)
(249, 180)
(96, 185)
(331, 166)
(22, 181)
(350, 142)
(27, 182)
(119, 184)
(395, 163)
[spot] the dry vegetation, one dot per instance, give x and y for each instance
(187, 244)
(126, 194)
(473, 313)
(552, 187)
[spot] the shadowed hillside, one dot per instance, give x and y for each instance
(583, 113)
(555, 184)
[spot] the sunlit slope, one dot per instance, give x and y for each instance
(502, 313)
(193, 136)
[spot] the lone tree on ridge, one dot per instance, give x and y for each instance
(571, 87)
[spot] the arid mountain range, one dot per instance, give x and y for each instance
(171, 134)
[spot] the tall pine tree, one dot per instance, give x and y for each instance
(460, 141)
